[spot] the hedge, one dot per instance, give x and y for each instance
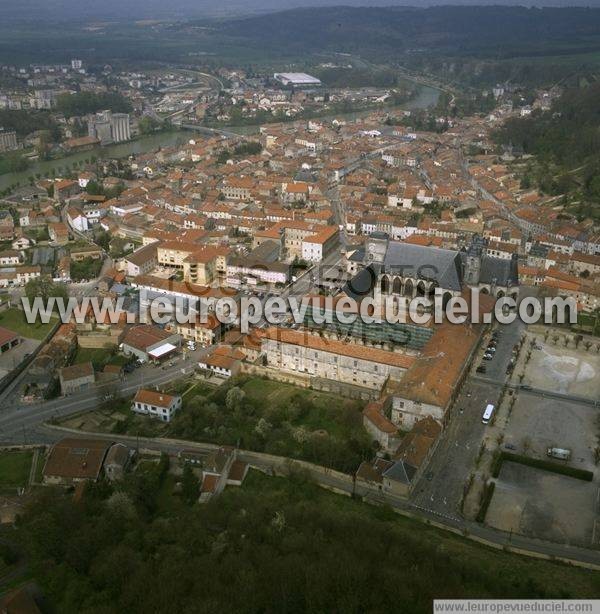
(485, 503)
(540, 463)
(497, 463)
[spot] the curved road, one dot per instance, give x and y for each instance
(341, 483)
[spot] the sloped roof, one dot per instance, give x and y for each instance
(441, 265)
(401, 472)
(501, 271)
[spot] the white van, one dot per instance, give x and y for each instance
(487, 414)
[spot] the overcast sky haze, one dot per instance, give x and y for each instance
(67, 10)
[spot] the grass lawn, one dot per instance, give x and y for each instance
(15, 468)
(336, 415)
(99, 357)
(14, 319)
(39, 468)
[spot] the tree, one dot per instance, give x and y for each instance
(234, 398)
(148, 125)
(45, 288)
(93, 187)
(189, 485)
(83, 103)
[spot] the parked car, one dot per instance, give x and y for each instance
(488, 356)
(481, 369)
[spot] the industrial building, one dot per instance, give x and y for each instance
(8, 140)
(109, 127)
(296, 79)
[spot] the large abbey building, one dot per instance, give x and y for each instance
(404, 270)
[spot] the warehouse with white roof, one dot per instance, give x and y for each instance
(296, 79)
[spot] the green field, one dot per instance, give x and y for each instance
(15, 468)
(14, 319)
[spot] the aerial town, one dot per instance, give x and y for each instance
(237, 185)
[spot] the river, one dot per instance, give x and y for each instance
(141, 145)
(426, 97)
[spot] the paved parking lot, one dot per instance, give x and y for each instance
(508, 336)
(544, 505)
(537, 423)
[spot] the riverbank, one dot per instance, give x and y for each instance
(138, 146)
(426, 97)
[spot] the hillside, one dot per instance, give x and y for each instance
(274, 545)
(485, 31)
(566, 143)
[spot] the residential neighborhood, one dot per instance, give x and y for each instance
(336, 297)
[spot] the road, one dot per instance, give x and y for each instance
(441, 487)
(332, 480)
(440, 490)
(192, 105)
(22, 423)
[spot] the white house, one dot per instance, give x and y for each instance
(77, 220)
(156, 404)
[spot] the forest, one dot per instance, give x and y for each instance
(26, 122)
(475, 45)
(84, 103)
(566, 143)
(273, 545)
